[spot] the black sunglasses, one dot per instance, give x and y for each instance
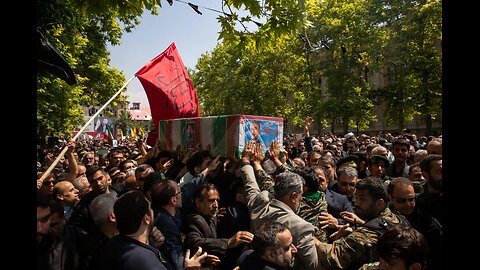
(47, 183)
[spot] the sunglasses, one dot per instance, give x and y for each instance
(404, 200)
(47, 183)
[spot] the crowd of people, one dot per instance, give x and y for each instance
(319, 202)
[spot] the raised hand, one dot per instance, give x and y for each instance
(307, 126)
(248, 153)
(239, 238)
(258, 155)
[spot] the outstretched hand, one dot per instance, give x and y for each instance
(197, 259)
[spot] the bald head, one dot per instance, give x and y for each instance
(65, 192)
(380, 151)
(434, 146)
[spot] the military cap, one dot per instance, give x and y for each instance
(136, 156)
(82, 151)
(378, 158)
(350, 161)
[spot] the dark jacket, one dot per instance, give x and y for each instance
(202, 231)
(337, 203)
(172, 247)
(57, 253)
(250, 261)
(125, 253)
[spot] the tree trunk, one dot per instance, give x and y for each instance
(428, 124)
(345, 125)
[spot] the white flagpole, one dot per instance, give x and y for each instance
(82, 129)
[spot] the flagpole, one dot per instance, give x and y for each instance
(82, 129)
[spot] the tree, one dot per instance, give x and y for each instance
(124, 121)
(413, 57)
(81, 29)
(270, 79)
(347, 40)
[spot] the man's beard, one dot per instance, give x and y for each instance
(297, 208)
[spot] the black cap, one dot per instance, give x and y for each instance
(383, 142)
(378, 158)
(350, 161)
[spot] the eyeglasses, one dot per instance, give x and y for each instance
(47, 183)
(404, 200)
(178, 193)
(212, 200)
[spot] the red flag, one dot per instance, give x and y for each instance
(169, 90)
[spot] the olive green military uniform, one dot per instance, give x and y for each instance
(351, 252)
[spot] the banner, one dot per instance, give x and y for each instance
(169, 90)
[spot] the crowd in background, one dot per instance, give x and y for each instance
(316, 202)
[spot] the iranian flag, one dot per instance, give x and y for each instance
(109, 134)
(209, 132)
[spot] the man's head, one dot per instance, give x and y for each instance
(312, 180)
(141, 173)
(400, 150)
(402, 195)
(402, 248)
(419, 155)
(380, 151)
(328, 165)
(47, 184)
(150, 181)
(133, 213)
(166, 193)
(273, 242)
(322, 177)
(415, 173)
(198, 162)
(88, 159)
(81, 183)
(99, 180)
(370, 198)
(66, 193)
(127, 164)
(81, 169)
(370, 147)
(207, 199)
(378, 165)
(434, 147)
(57, 220)
(347, 178)
(431, 166)
(116, 156)
(352, 146)
(314, 158)
(289, 189)
(43, 216)
(101, 210)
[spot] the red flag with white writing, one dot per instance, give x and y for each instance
(169, 90)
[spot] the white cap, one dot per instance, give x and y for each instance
(348, 135)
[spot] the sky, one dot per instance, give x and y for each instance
(192, 33)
